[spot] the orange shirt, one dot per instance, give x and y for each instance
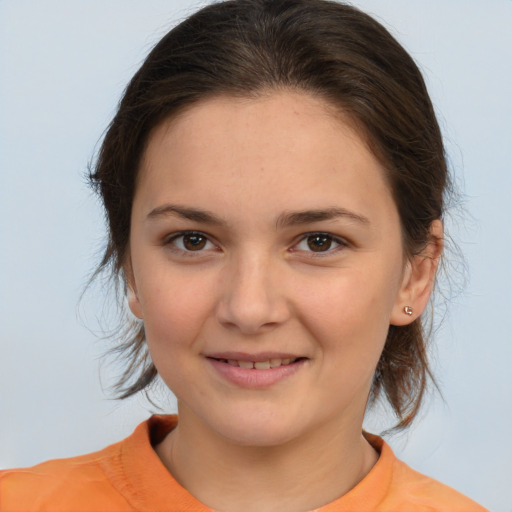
(128, 476)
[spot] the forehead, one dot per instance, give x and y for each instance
(247, 122)
(285, 146)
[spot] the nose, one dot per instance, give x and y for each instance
(252, 298)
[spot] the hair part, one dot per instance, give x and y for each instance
(250, 47)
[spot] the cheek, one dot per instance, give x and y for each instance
(173, 321)
(355, 302)
(175, 309)
(349, 318)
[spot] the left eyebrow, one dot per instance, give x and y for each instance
(309, 216)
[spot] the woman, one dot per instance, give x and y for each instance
(278, 307)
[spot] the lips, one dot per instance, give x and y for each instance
(274, 362)
(255, 370)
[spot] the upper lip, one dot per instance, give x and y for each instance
(259, 357)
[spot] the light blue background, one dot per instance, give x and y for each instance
(63, 66)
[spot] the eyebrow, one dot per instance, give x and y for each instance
(310, 216)
(286, 219)
(186, 212)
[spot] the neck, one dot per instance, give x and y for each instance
(300, 475)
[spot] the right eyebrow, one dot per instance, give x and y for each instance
(185, 212)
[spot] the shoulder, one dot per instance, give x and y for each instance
(410, 490)
(122, 477)
(62, 484)
(392, 486)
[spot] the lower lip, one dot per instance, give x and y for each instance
(253, 378)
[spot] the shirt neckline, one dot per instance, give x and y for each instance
(147, 484)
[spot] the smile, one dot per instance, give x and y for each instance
(244, 371)
(260, 365)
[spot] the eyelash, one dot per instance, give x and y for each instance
(341, 243)
(170, 242)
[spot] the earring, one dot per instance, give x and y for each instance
(408, 310)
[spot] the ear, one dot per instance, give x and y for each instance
(418, 279)
(133, 302)
(131, 288)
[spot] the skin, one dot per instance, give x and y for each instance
(252, 284)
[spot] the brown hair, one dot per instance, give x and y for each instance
(332, 50)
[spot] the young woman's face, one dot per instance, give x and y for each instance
(267, 264)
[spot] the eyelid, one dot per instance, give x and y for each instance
(340, 241)
(168, 241)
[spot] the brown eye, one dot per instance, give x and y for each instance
(319, 242)
(194, 242)
(322, 244)
(190, 243)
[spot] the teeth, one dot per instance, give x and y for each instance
(260, 365)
